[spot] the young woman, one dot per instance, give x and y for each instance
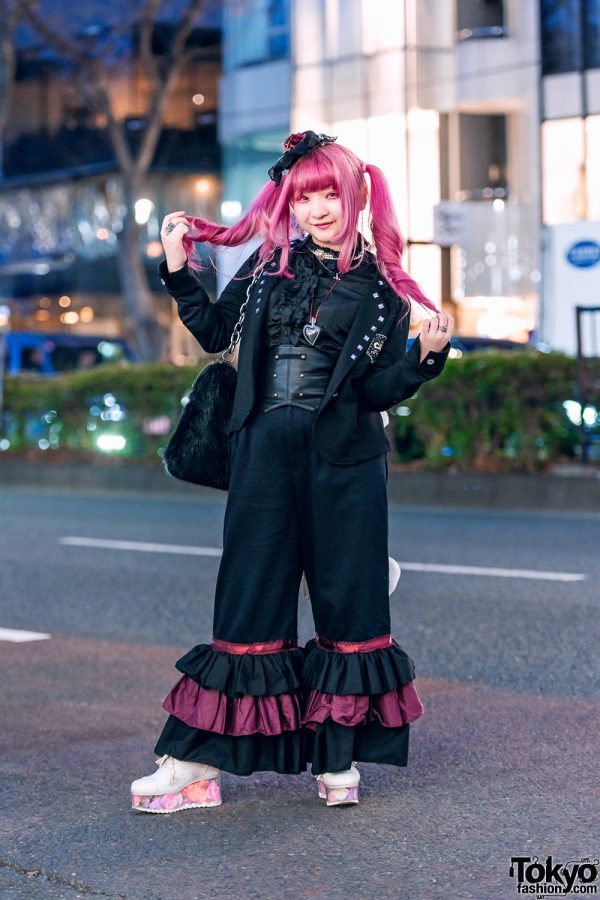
(322, 354)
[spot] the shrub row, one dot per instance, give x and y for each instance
(493, 411)
(487, 412)
(68, 415)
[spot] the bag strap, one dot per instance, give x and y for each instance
(237, 330)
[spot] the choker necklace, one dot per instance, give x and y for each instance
(321, 253)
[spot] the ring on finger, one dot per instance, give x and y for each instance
(169, 227)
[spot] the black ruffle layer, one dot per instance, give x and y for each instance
(261, 675)
(333, 747)
(375, 672)
(290, 300)
(309, 668)
(283, 753)
(330, 748)
(290, 303)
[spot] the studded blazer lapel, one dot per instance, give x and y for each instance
(255, 313)
(369, 320)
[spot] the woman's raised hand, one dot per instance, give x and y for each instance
(435, 333)
(175, 225)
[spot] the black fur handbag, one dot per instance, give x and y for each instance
(197, 450)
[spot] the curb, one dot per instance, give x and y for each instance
(553, 492)
(571, 489)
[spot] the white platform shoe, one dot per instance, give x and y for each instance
(339, 788)
(394, 572)
(177, 785)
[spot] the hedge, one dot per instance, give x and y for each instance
(67, 414)
(492, 411)
(488, 411)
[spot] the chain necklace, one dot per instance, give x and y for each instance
(311, 330)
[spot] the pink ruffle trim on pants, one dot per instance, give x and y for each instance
(394, 709)
(210, 710)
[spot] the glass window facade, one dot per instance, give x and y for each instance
(563, 170)
(246, 164)
(571, 169)
(570, 35)
(591, 37)
(483, 156)
(374, 38)
(255, 32)
(279, 29)
(480, 19)
(592, 126)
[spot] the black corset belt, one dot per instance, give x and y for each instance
(296, 376)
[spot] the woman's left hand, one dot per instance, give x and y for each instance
(435, 333)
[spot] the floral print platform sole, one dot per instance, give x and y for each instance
(337, 796)
(197, 794)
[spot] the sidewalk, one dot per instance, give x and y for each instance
(570, 488)
(488, 779)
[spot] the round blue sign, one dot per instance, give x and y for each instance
(584, 254)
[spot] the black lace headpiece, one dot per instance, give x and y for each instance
(296, 146)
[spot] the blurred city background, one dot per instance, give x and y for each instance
(484, 114)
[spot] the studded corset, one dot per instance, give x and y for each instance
(295, 376)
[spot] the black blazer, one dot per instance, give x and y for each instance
(370, 376)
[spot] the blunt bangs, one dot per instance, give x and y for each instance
(314, 172)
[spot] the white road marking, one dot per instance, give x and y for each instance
(493, 572)
(141, 546)
(409, 566)
(17, 636)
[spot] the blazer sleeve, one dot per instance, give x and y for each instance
(210, 323)
(397, 374)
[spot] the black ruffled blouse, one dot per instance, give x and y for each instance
(290, 299)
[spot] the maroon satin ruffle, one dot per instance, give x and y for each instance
(210, 710)
(376, 643)
(393, 709)
(254, 649)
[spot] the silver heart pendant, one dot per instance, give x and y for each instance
(311, 333)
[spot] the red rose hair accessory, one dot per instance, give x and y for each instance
(293, 139)
(296, 146)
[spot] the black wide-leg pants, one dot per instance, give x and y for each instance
(290, 511)
(252, 699)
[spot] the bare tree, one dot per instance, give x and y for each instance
(90, 67)
(8, 63)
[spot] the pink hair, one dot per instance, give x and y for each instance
(330, 165)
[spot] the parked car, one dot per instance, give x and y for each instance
(52, 353)
(468, 343)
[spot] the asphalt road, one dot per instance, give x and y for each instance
(504, 763)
